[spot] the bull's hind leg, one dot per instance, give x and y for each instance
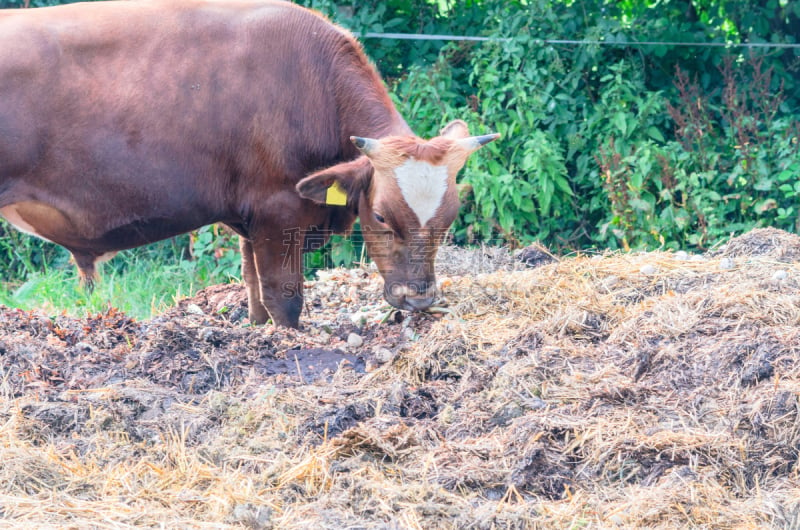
(255, 309)
(86, 269)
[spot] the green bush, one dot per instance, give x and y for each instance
(594, 153)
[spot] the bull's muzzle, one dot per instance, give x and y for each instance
(411, 297)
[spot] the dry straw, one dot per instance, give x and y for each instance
(616, 391)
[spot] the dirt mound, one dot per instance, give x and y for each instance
(764, 242)
(625, 390)
(459, 261)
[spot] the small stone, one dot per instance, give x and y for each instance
(252, 516)
(682, 255)
(447, 415)
(324, 275)
(537, 404)
(726, 264)
(616, 519)
(84, 347)
(780, 275)
(409, 334)
(609, 282)
(648, 269)
(383, 355)
(697, 257)
(194, 309)
(359, 319)
(354, 340)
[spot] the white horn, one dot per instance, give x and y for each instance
(475, 142)
(368, 146)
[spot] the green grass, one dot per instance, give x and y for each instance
(141, 283)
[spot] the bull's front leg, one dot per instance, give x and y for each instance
(275, 286)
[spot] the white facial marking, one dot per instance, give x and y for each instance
(423, 186)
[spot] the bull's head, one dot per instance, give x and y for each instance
(404, 191)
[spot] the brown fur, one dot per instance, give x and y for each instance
(432, 151)
(122, 123)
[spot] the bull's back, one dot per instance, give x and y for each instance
(113, 114)
(176, 72)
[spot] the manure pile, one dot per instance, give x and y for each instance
(652, 390)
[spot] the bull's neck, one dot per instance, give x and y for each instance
(365, 108)
(377, 117)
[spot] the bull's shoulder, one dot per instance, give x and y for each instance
(28, 49)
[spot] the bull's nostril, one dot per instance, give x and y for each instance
(419, 303)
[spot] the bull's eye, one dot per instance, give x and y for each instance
(380, 219)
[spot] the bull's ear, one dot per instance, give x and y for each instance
(456, 130)
(338, 185)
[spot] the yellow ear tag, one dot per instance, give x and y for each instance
(336, 195)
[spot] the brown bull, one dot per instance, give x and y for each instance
(123, 123)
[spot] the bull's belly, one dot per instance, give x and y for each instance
(17, 219)
(51, 224)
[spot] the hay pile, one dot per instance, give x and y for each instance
(651, 390)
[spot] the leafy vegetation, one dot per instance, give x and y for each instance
(607, 143)
(610, 140)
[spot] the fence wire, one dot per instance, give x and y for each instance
(415, 36)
